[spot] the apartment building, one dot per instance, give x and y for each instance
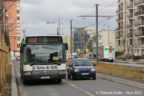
(13, 13)
(122, 29)
(19, 26)
(130, 32)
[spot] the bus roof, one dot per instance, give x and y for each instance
(45, 36)
(43, 39)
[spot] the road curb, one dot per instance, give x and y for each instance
(14, 90)
(122, 81)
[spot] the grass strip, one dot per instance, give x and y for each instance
(130, 72)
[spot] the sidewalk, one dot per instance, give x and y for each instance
(14, 90)
(122, 81)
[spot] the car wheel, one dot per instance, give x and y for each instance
(59, 80)
(72, 77)
(94, 78)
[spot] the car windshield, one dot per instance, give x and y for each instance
(43, 53)
(81, 62)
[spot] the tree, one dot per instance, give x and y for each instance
(90, 48)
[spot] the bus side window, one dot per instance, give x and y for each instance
(66, 46)
(29, 55)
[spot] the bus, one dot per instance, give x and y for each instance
(43, 57)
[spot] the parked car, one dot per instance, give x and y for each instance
(81, 68)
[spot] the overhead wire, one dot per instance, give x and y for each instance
(109, 5)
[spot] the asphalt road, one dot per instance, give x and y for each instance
(99, 87)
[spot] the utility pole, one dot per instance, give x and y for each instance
(97, 51)
(97, 17)
(57, 31)
(59, 24)
(108, 29)
(71, 35)
(108, 32)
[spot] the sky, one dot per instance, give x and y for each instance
(36, 14)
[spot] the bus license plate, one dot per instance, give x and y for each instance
(45, 77)
(44, 67)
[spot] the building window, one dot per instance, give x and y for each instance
(142, 41)
(18, 45)
(12, 5)
(142, 51)
(18, 38)
(119, 42)
(18, 33)
(131, 41)
(18, 18)
(18, 11)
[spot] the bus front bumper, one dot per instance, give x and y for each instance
(44, 75)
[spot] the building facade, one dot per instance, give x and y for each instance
(13, 13)
(130, 32)
(81, 38)
(106, 38)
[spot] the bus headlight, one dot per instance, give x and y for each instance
(62, 72)
(28, 73)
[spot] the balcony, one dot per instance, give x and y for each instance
(121, 18)
(140, 35)
(130, 16)
(117, 19)
(139, 24)
(118, 29)
(130, 26)
(118, 1)
(117, 37)
(139, 13)
(130, 35)
(139, 2)
(118, 11)
(121, 9)
(130, 6)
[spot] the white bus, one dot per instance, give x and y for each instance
(43, 57)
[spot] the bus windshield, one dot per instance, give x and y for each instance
(43, 53)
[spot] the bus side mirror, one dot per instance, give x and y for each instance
(21, 48)
(66, 46)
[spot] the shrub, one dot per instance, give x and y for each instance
(137, 57)
(118, 53)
